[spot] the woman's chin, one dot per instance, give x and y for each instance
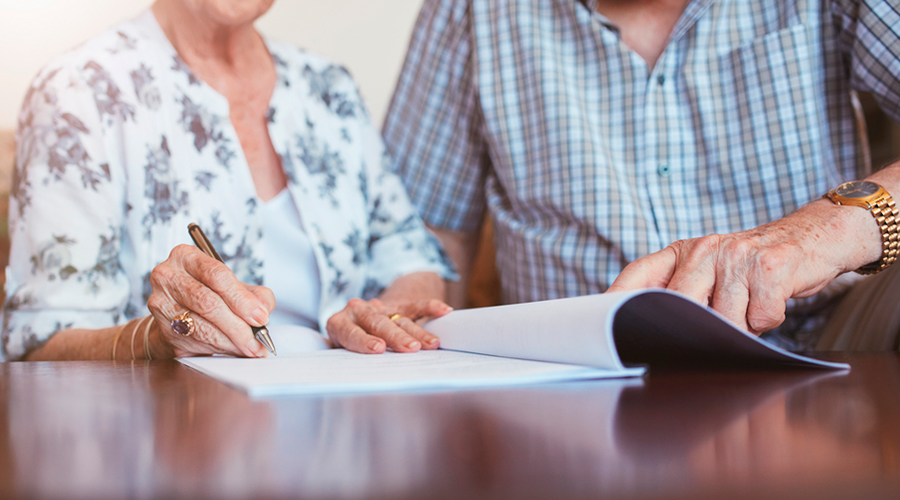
(230, 12)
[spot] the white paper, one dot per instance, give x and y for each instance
(576, 330)
(564, 339)
(656, 326)
(293, 339)
(337, 371)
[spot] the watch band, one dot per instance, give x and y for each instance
(888, 217)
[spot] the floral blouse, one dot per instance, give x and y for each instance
(120, 146)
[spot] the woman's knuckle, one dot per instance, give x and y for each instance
(367, 321)
(215, 274)
(160, 275)
(241, 299)
(154, 302)
(357, 303)
(181, 251)
(205, 302)
(201, 334)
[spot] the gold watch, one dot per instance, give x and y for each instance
(878, 201)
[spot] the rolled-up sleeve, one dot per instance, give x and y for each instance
(433, 129)
(869, 34)
(66, 218)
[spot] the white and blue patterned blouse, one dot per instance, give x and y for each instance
(120, 146)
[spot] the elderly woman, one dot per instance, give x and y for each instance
(186, 114)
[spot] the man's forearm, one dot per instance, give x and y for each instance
(853, 228)
(889, 179)
(461, 248)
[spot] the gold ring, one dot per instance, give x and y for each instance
(183, 324)
(394, 317)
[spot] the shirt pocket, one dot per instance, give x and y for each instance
(766, 131)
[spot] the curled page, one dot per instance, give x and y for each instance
(575, 330)
(652, 327)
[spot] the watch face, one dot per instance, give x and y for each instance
(857, 189)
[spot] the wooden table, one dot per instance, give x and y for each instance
(160, 430)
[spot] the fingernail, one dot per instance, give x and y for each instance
(448, 308)
(374, 345)
(413, 344)
(257, 348)
(432, 340)
(261, 316)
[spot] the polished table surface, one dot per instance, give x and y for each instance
(161, 430)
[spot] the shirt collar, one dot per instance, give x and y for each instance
(692, 12)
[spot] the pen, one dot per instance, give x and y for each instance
(260, 332)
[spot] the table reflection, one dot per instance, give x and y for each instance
(208, 438)
(111, 431)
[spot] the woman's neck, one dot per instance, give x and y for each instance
(212, 50)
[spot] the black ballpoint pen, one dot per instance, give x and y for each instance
(260, 332)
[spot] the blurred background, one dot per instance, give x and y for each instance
(367, 36)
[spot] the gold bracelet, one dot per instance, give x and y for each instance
(133, 332)
(112, 356)
(147, 339)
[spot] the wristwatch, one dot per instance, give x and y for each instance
(878, 201)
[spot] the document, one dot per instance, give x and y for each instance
(591, 337)
(653, 327)
(337, 371)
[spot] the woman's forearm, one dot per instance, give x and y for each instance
(415, 286)
(77, 344)
(82, 344)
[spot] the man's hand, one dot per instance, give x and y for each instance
(748, 276)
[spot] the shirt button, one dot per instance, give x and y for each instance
(661, 79)
(663, 170)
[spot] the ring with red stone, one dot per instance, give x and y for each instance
(183, 324)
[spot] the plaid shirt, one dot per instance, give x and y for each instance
(587, 159)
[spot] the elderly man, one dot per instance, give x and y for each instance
(677, 143)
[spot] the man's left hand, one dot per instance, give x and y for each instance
(748, 276)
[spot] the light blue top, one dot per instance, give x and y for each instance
(290, 269)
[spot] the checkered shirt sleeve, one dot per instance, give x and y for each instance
(432, 129)
(869, 33)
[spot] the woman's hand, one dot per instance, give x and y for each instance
(366, 326)
(222, 307)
